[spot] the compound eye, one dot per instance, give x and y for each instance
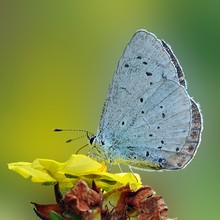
(92, 139)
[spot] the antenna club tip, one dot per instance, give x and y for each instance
(57, 129)
(68, 141)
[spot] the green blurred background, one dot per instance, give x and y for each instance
(56, 63)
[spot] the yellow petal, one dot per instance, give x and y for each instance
(133, 179)
(26, 170)
(80, 164)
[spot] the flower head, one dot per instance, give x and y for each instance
(48, 172)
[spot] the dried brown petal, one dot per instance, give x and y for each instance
(147, 205)
(43, 211)
(81, 199)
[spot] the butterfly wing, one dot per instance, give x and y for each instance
(148, 119)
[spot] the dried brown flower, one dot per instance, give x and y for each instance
(119, 204)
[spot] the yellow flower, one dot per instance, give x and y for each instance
(68, 173)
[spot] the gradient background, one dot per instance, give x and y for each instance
(56, 63)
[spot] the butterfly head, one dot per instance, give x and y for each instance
(101, 149)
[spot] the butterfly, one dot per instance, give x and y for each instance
(148, 121)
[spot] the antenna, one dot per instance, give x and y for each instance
(73, 139)
(87, 134)
(74, 130)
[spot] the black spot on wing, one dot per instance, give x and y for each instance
(149, 74)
